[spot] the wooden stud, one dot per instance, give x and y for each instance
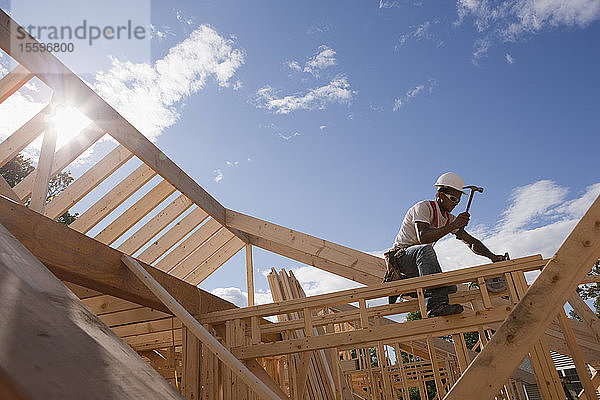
(487, 302)
(42, 177)
(364, 319)
(191, 366)
(422, 305)
(249, 274)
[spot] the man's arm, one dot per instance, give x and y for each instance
(428, 234)
(477, 247)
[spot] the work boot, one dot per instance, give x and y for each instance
(392, 299)
(444, 309)
(496, 285)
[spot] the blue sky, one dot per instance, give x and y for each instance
(333, 118)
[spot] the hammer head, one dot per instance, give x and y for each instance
(474, 188)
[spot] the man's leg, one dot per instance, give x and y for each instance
(425, 261)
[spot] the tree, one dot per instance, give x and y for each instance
(590, 291)
(19, 167)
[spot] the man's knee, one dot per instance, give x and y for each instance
(427, 251)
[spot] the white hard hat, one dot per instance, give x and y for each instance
(451, 179)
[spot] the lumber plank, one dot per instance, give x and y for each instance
(44, 328)
(105, 304)
(441, 326)
(199, 331)
(201, 254)
(113, 199)
(135, 213)
(63, 157)
(249, 274)
(22, 137)
(155, 225)
(586, 314)
(516, 336)
(220, 257)
(42, 172)
(380, 290)
(14, 81)
(191, 243)
(87, 182)
(314, 246)
(173, 235)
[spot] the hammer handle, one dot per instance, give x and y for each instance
(470, 200)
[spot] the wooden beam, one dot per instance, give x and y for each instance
(13, 81)
(517, 335)
(201, 254)
(63, 157)
(87, 182)
(220, 257)
(465, 322)
(135, 213)
(190, 382)
(173, 235)
(155, 225)
(199, 331)
(57, 76)
(77, 258)
(186, 247)
(42, 172)
(345, 256)
(22, 137)
(113, 199)
(44, 328)
(249, 275)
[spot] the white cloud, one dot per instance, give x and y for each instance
(187, 20)
(293, 135)
(240, 298)
(148, 94)
(411, 93)
(322, 127)
(337, 91)
(509, 58)
(388, 4)
(219, 176)
(238, 85)
(537, 220)
(324, 58)
(481, 47)
(421, 32)
(232, 163)
(293, 65)
(510, 20)
(316, 281)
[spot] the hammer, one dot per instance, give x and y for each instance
(473, 190)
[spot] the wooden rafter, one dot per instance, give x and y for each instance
(63, 157)
(220, 257)
(87, 182)
(13, 81)
(135, 213)
(113, 199)
(155, 225)
(23, 136)
(201, 254)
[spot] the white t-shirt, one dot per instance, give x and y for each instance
(421, 212)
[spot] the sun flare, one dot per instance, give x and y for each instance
(68, 122)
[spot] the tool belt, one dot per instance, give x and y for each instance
(394, 268)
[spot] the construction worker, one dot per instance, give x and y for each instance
(424, 224)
